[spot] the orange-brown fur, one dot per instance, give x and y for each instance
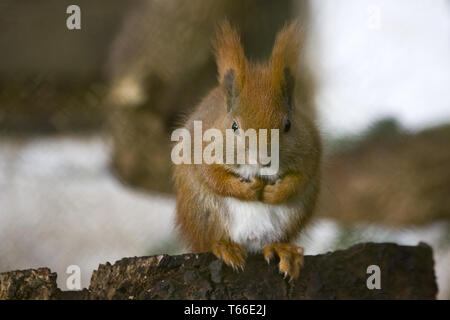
(260, 103)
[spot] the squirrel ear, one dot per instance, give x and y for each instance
(231, 61)
(287, 87)
(284, 60)
(231, 92)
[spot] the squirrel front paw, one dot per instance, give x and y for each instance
(249, 189)
(231, 253)
(274, 193)
(291, 258)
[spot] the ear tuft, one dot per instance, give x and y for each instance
(229, 54)
(288, 87)
(231, 93)
(285, 55)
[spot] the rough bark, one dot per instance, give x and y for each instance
(407, 272)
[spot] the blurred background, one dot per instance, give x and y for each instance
(86, 117)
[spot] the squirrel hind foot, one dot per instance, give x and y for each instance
(231, 253)
(291, 258)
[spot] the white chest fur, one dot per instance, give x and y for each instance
(255, 224)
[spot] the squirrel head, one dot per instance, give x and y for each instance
(258, 95)
(261, 95)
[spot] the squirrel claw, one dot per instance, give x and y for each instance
(291, 258)
(230, 253)
(268, 252)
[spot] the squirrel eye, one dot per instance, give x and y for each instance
(234, 126)
(287, 125)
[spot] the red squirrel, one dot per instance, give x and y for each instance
(232, 209)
